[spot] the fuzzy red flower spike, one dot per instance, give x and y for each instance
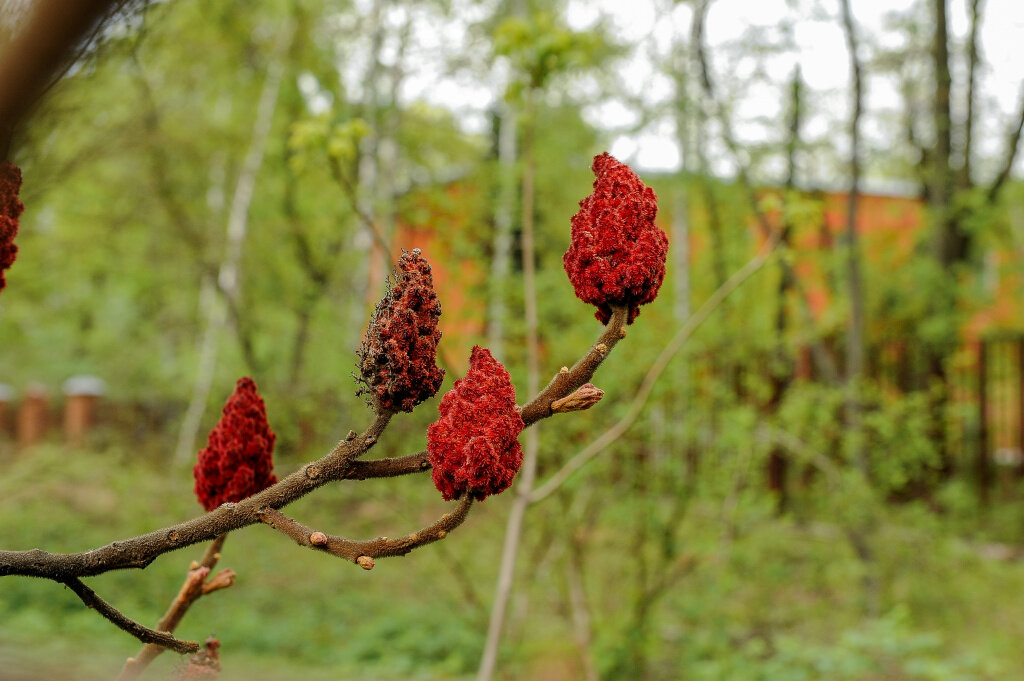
(397, 358)
(10, 211)
(474, 445)
(617, 255)
(237, 460)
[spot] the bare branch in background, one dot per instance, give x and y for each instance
(685, 332)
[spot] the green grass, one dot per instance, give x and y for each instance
(774, 600)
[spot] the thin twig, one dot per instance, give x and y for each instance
(678, 341)
(362, 553)
(125, 623)
(195, 586)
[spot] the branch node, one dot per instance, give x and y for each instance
(441, 534)
(221, 580)
(365, 562)
(312, 472)
(563, 370)
(601, 349)
(173, 536)
(351, 436)
(585, 397)
(622, 332)
(318, 539)
(370, 440)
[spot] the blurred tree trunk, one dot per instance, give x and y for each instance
(700, 147)
(36, 53)
(528, 472)
(860, 535)
(228, 277)
(781, 369)
(501, 258)
(855, 330)
(949, 242)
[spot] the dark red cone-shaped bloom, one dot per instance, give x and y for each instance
(617, 255)
(10, 211)
(237, 460)
(397, 358)
(474, 445)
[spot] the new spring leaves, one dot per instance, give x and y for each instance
(616, 257)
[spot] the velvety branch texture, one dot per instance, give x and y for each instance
(617, 254)
(10, 211)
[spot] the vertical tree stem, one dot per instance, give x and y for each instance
(524, 486)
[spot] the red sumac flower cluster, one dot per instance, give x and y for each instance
(617, 255)
(237, 460)
(397, 358)
(10, 211)
(474, 446)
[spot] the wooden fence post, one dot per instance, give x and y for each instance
(83, 392)
(33, 416)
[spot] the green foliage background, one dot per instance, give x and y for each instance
(692, 567)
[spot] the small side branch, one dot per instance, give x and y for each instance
(568, 380)
(363, 553)
(388, 468)
(195, 586)
(123, 622)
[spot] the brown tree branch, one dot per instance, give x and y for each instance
(362, 553)
(123, 622)
(340, 464)
(138, 552)
(195, 586)
(388, 468)
(565, 383)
